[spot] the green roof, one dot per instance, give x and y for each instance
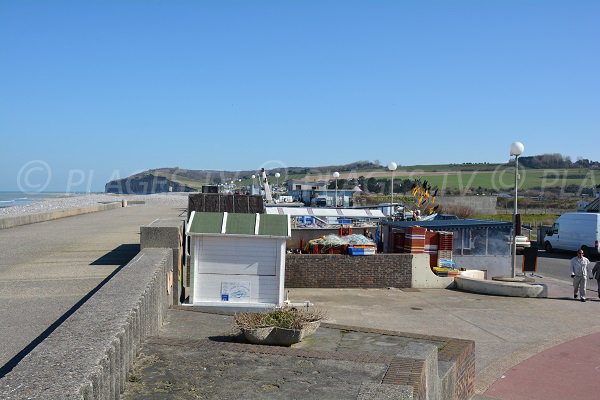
(211, 223)
(273, 225)
(207, 222)
(240, 224)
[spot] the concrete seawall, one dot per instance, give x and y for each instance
(10, 222)
(90, 354)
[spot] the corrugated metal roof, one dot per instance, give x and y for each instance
(234, 224)
(594, 206)
(326, 212)
(452, 224)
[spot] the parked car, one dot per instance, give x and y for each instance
(522, 242)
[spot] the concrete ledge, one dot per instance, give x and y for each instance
(416, 366)
(10, 222)
(501, 288)
(167, 233)
(90, 354)
(447, 368)
(424, 278)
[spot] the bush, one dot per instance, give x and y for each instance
(289, 318)
(459, 210)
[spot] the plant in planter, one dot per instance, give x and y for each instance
(280, 327)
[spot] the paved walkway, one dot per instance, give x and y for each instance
(525, 348)
(196, 357)
(570, 370)
(48, 269)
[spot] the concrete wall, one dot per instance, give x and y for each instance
(378, 271)
(89, 355)
(424, 278)
(491, 265)
(343, 271)
(459, 383)
(9, 222)
(167, 233)
(479, 204)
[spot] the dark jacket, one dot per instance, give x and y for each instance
(596, 271)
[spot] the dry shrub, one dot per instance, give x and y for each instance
(290, 318)
(249, 320)
(460, 211)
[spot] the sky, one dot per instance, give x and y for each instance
(96, 90)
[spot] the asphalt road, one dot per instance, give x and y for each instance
(557, 265)
(48, 269)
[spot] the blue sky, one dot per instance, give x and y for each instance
(93, 90)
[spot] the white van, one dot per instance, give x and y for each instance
(573, 231)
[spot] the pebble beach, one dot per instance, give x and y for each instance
(88, 200)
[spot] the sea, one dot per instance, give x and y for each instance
(10, 199)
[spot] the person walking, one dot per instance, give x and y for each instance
(596, 275)
(579, 273)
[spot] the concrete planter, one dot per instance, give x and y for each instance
(275, 336)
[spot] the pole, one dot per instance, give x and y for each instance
(514, 235)
(336, 200)
(392, 191)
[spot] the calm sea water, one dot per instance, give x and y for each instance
(10, 199)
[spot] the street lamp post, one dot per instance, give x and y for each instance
(336, 175)
(392, 167)
(516, 149)
(277, 175)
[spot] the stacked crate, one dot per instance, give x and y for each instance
(414, 240)
(445, 245)
(398, 240)
(432, 239)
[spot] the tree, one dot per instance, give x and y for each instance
(373, 185)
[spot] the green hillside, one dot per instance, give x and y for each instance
(448, 178)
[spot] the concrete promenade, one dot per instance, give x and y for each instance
(48, 269)
(525, 348)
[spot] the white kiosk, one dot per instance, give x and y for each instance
(237, 259)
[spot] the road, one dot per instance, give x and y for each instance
(557, 265)
(48, 269)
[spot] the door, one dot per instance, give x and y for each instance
(225, 262)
